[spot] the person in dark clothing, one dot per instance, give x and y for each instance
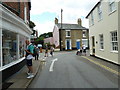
(51, 51)
(46, 50)
(36, 53)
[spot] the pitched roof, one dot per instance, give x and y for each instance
(71, 26)
(93, 8)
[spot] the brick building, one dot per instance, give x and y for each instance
(70, 36)
(14, 30)
(21, 9)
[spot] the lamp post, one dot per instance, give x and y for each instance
(61, 48)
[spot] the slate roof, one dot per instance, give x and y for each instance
(71, 27)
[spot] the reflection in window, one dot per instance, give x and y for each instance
(22, 46)
(9, 46)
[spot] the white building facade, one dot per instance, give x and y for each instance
(104, 28)
(13, 33)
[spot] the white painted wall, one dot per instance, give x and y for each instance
(119, 32)
(56, 36)
(13, 23)
(105, 26)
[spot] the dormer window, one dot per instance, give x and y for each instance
(68, 33)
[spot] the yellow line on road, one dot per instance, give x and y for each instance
(103, 66)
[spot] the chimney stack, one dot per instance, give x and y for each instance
(79, 21)
(56, 21)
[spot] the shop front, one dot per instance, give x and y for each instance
(13, 33)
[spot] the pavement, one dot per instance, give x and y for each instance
(20, 80)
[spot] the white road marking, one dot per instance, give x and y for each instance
(52, 64)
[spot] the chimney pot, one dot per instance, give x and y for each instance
(56, 21)
(79, 21)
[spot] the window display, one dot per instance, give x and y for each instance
(22, 46)
(9, 46)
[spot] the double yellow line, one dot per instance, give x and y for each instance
(103, 66)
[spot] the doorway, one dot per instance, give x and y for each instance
(93, 45)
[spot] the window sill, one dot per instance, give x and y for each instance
(114, 52)
(112, 12)
(100, 20)
(68, 36)
(101, 49)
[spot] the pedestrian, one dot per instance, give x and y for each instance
(51, 50)
(84, 49)
(78, 52)
(29, 56)
(46, 50)
(36, 52)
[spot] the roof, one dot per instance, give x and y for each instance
(71, 26)
(93, 9)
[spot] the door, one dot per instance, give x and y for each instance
(78, 44)
(93, 45)
(68, 44)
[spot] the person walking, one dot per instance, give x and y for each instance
(84, 49)
(51, 50)
(46, 50)
(37, 50)
(29, 56)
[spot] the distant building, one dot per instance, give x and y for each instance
(104, 27)
(70, 36)
(14, 30)
(49, 40)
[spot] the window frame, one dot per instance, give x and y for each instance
(92, 19)
(114, 41)
(99, 12)
(67, 33)
(111, 4)
(101, 42)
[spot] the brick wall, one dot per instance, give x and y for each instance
(18, 8)
(75, 34)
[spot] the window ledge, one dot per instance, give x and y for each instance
(68, 36)
(100, 20)
(112, 12)
(101, 49)
(114, 52)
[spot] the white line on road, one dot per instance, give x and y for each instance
(52, 64)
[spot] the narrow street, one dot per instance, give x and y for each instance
(66, 70)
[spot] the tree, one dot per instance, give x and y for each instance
(46, 35)
(31, 24)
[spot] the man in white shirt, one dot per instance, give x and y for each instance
(29, 57)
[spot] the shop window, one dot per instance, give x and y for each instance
(9, 46)
(22, 46)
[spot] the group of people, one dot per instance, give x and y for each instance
(31, 52)
(51, 50)
(82, 50)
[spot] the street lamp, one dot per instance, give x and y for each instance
(60, 32)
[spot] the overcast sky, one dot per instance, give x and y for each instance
(43, 12)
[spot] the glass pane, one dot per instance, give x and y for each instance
(9, 47)
(22, 46)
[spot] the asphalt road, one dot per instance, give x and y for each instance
(66, 70)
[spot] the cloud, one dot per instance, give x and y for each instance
(72, 10)
(44, 27)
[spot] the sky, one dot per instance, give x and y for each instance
(43, 13)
